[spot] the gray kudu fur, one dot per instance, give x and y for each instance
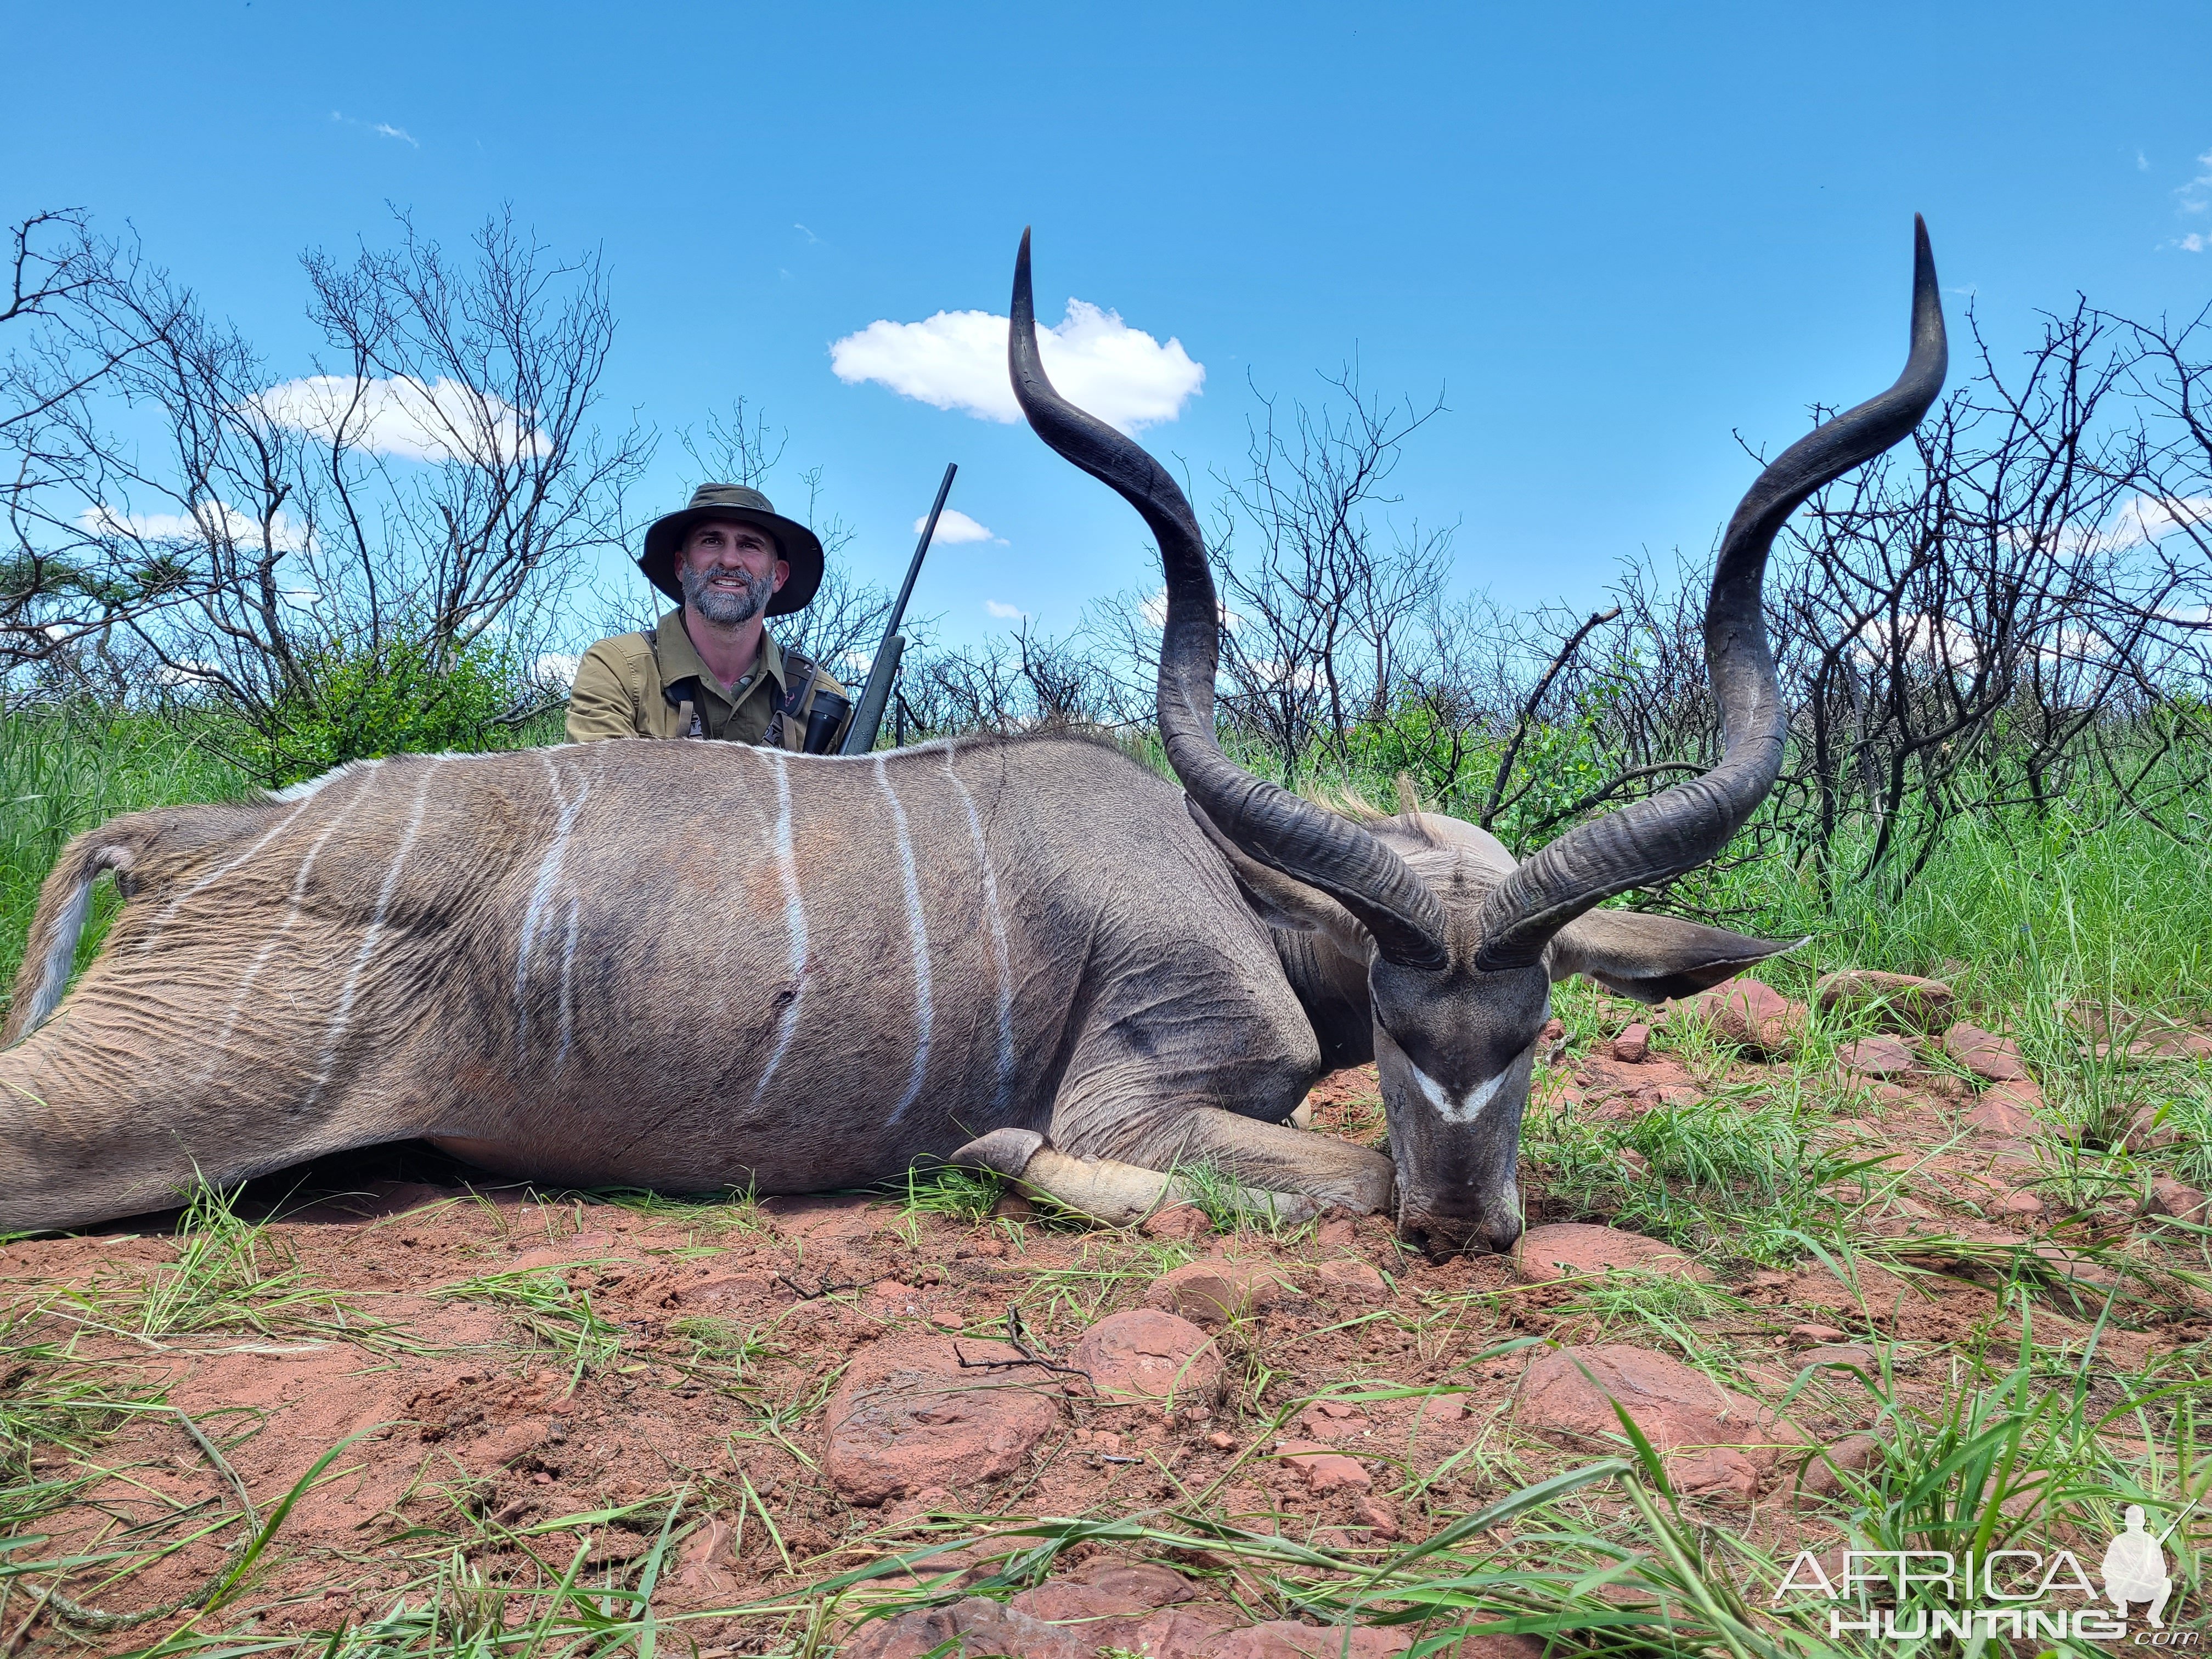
(816, 972)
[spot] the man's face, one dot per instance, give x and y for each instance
(729, 571)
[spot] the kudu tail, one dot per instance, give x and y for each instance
(63, 903)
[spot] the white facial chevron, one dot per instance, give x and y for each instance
(1467, 1107)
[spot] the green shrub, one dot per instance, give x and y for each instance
(395, 700)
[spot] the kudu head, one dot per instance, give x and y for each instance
(1460, 945)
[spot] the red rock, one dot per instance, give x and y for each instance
(1143, 1355)
(1997, 1112)
(1065, 1603)
(1753, 1015)
(1633, 1163)
(1286, 1639)
(1633, 1045)
(2176, 1199)
(975, 1625)
(1195, 1631)
(1440, 1411)
(705, 1563)
(1552, 1031)
(1145, 1583)
(1565, 1249)
(1875, 1057)
(1852, 1454)
(1992, 1057)
(1119, 1592)
(908, 1417)
(1179, 1221)
(1137, 1607)
(1221, 1442)
(1714, 1471)
(1377, 1515)
(1712, 1439)
(2024, 1204)
(1351, 1277)
(1215, 1291)
(1335, 1230)
(1326, 1469)
(1497, 1647)
(1331, 1420)
(1895, 1002)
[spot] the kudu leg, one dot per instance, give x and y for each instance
(1272, 1157)
(1105, 1188)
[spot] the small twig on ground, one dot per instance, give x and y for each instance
(815, 1295)
(1019, 1341)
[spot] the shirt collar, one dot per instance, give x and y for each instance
(680, 659)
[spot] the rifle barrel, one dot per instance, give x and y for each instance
(868, 713)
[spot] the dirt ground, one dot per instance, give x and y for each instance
(464, 1385)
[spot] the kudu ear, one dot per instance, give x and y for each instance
(1280, 900)
(1652, 959)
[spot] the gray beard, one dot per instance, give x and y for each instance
(721, 607)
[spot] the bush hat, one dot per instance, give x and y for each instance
(798, 547)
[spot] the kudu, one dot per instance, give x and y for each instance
(813, 972)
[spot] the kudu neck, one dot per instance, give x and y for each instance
(1332, 989)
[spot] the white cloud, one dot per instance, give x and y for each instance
(443, 419)
(208, 521)
(2147, 520)
(1005, 613)
(957, 359)
(954, 526)
(380, 129)
(2196, 196)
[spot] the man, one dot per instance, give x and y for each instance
(710, 668)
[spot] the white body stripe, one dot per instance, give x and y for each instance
(1466, 1107)
(268, 945)
(998, 921)
(336, 1031)
(219, 872)
(917, 930)
(549, 873)
(794, 919)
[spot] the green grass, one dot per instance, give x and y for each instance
(559, 1315)
(61, 774)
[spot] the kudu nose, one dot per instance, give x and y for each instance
(1440, 1237)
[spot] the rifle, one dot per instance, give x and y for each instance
(868, 716)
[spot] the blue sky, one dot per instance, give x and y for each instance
(1611, 236)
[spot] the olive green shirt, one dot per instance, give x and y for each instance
(623, 689)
